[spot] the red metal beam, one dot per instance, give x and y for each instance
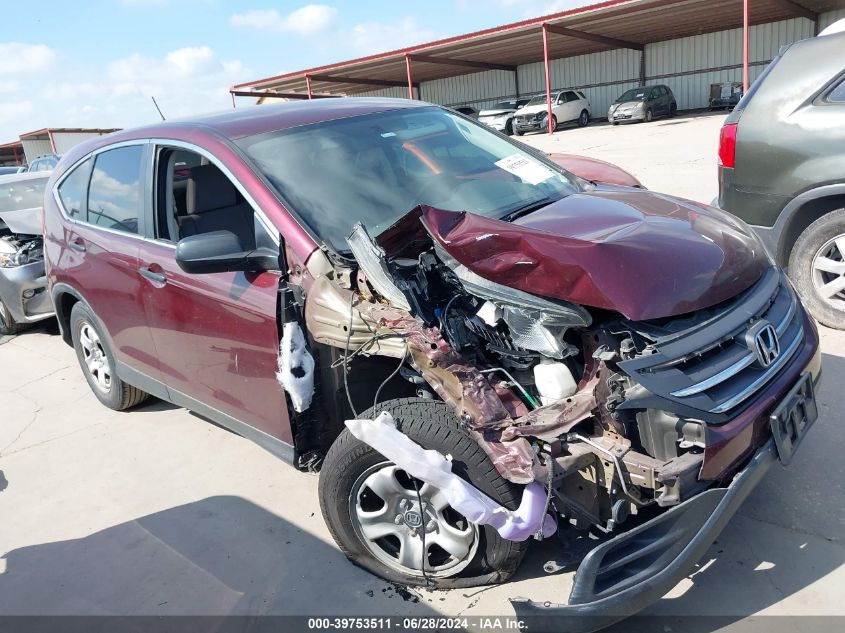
(410, 77)
(592, 37)
(308, 86)
(548, 76)
(745, 46)
(451, 61)
(384, 83)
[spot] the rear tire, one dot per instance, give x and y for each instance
(8, 325)
(98, 363)
(814, 263)
(673, 110)
(343, 490)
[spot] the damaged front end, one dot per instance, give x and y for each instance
(619, 408)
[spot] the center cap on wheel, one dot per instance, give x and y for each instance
(413, 519)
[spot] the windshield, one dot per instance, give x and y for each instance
(375, 168)
(504, 105)
(634, 94)
(539, 100)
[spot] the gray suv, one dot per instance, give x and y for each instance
(782, 168)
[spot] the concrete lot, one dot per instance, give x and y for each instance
(157, 511)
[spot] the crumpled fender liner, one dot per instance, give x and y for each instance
(627, 573)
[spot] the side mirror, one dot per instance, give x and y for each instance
(220, 252)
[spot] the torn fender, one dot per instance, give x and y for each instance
(596, 170)
(632, 251)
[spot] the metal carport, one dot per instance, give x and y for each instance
(614, 24)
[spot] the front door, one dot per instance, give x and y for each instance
(216, 334)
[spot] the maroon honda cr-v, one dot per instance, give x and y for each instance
(571, 353)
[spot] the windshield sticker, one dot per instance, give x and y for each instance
(531, 172)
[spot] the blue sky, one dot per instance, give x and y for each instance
(96, 63)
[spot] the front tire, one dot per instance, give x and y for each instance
(649, 116)
(583, 119)
(8, 325)
(817, 266)
(554, 123)
(98, 363)
(509, 128)
(359, 488)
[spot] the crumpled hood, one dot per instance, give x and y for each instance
(23, 221)
(636, 252)
(532, 109)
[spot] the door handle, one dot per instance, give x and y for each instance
(77, 244)
(156, 278)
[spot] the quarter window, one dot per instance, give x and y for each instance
(837, 95)
(72, 191)
(114, 197)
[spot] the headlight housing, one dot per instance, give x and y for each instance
(28, 253)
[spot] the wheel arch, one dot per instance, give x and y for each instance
(800, 213)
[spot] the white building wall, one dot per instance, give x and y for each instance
(619, 69)
(65, 140)
(33, 148)
(714, 50)
(479, 90)
(826, 19)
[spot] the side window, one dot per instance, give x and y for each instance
(571, 96)
(115, 193)
(194, 196)
(837, 95)
(73, 190)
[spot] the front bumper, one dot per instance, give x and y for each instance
(619, 117)
(627, 573)
(530, 126)
(14, 282)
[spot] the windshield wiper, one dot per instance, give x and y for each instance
(531, 207)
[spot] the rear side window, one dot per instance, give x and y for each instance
(571, 96)
(72, 191)
(114, 196)
(748, 96)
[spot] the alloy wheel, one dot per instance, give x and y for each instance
(829, 272)
(95, 358)
(390, 522)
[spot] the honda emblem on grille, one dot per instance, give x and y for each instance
(762, 340)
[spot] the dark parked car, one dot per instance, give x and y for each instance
(23, 286)
(782, 168)
(580, 350)
(643, 104)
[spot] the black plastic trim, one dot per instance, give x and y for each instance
(277, 447)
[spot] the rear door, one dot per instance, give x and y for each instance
(105, 199)
(216, 335)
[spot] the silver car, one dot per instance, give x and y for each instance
(23, 286)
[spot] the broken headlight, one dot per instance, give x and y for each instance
(11, 257)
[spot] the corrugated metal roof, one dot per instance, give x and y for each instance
(637, 22)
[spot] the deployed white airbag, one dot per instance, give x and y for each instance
(435, 469)
(296, 367)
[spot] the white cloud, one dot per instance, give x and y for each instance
(376, 37)
(185, 81)
(307, 20)
(25, 58)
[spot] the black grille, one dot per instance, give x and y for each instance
(712, 366)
